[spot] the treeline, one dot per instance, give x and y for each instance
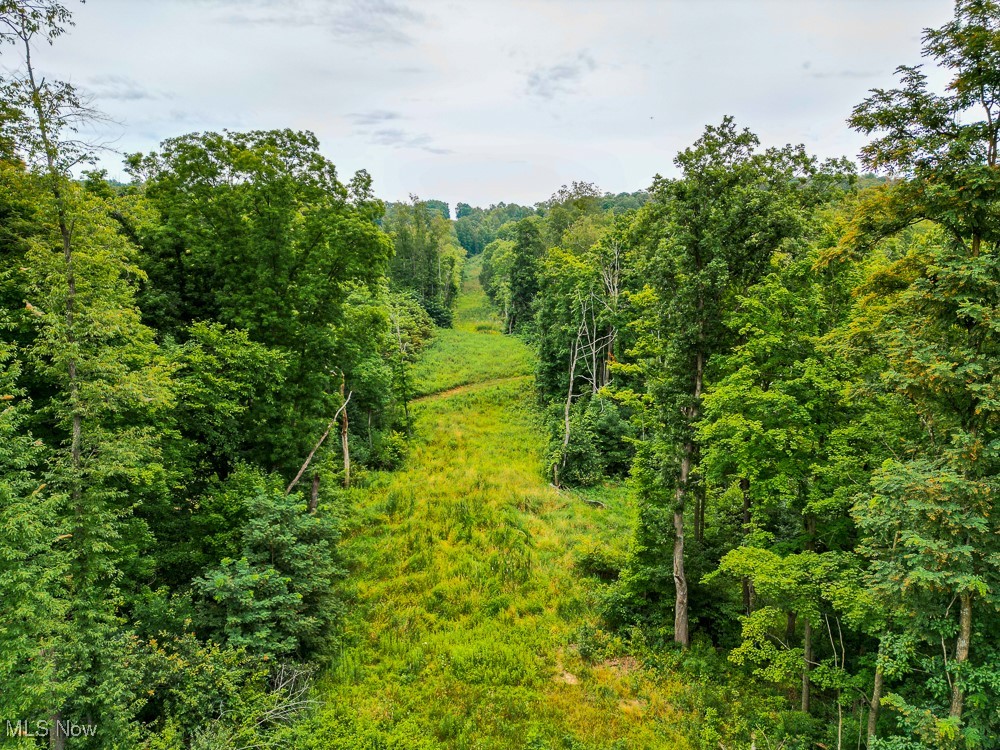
(428, 259)
(798, 370)
(194, 367)
(477, 228)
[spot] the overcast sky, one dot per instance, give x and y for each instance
(483, 101)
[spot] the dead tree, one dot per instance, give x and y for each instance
(343, 436)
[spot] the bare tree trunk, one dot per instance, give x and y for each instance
(314, 494)
(807, 656)
(681, 634)
(876, 703)
(343, 437)
(574, 353)
(316, 447)
(961, 652)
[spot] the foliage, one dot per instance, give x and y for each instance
(428, 259)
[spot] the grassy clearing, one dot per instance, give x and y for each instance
(474, 351)
(471, 620)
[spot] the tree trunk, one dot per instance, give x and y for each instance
(807, 656)
(790, 629)
(875, 703)
(680, 582)
(57, 739)
(699, 514)
(961, 653)
(343, 438)
(681, 634)
(573, 355)
(314, 494)
(56, 177)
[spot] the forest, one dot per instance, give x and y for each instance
(710, 464)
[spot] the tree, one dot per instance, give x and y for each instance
(32, 559)
(106, 383)
(258, 234)
(428, 259)
(706, 234)
(275, 595)
(934, 314)
(525, 256)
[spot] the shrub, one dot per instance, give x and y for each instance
(277, 597)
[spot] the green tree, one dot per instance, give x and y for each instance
(930, 530)
(428, 259)
(526, 253)
(106, 383)
(706, 235)
(32, 561)
(257, 233)
(275, 595)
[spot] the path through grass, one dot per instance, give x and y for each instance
(469, 616)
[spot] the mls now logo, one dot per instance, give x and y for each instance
(25, 728)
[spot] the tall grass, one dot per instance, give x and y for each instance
(474, 351)
(468, 606)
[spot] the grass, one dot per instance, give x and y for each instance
(474, 351)
(470, 616)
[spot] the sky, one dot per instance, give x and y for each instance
(489, 100)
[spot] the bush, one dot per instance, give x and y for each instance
(439, 313)
(600, 562)
(388, 450)
(277, 597)
(598, 447)
(201, 695)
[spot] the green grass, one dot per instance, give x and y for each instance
(470, 614)
(475, 350)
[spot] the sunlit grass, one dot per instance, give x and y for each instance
(474, 351)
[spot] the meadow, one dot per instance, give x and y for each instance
(472, 620)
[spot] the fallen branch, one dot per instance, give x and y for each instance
(316, 448)
(587, 500)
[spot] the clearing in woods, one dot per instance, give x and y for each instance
(471, 624)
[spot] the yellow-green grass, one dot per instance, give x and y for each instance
(475, 350)
(467, 611)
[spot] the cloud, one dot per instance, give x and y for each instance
(355, 21)
(373, 117)
(120, 88)
(399, 138)
(562, 78)
(844, 74)
(376, 20)
(386, 134)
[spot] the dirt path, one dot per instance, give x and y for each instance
(468, 388)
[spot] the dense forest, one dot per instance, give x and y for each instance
(711, 464)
